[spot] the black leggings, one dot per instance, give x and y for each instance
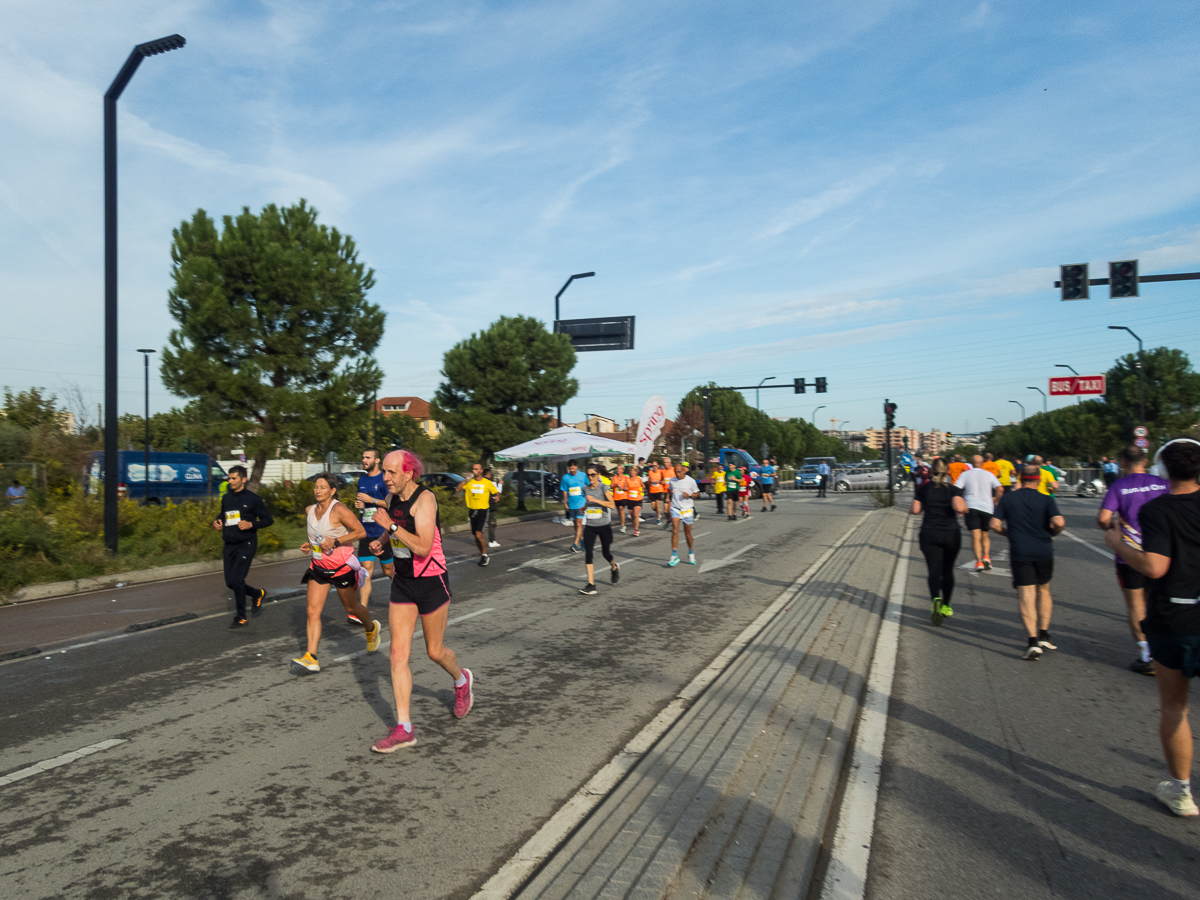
(590, 533)
(941, 548)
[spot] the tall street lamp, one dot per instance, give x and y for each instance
(814, 415)
(1073, 372)
(558, 415)
(146, 466)
(760, 384)
(1141, 372)
(1022, 405)
(993, 420)
(140, 52)
(1043, 393)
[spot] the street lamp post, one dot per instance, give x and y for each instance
(1073, 372)
(1141, 372)
(1043, 393)
(997, 423)
(814, 415)
(558, 415)
(760, 384)
(1022, 405)
(140, 52)
(146, 458)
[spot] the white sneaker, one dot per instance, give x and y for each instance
(493, 543)
(1178, 801)
(1033, 653)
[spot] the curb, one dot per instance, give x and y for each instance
(184, 570)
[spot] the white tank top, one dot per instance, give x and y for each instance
(319, 530)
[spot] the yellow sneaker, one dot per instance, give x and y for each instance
(373, 636)
(305, 665)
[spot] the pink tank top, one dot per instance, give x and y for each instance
(321, 529)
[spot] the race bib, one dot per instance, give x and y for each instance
(574, 491)
(368, 513)
(594, 512)
(686, 514)
(233, 517)
(477, 489)
(398, 548)
(316, 549)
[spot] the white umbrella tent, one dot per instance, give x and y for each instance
(562, 444)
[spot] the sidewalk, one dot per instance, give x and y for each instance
(734, 799)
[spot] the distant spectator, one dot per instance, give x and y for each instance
(15, 494)
(1111, 470)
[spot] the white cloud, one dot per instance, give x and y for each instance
(834, 197)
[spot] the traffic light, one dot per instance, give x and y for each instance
(820, 385)
(1123, 278)
(1075, 281)
(889, 414)
(800, 385)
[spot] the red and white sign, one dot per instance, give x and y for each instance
(650, 426)
(1077, 384)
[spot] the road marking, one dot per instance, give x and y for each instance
(363, 652)
(1105, 553)
(546, 840)
(48, 764)
(710, 564)
(846, 876)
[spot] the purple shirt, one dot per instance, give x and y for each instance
(1126, 498)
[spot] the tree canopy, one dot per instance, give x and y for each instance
(275, 333)
(503, 383)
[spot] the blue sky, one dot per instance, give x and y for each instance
(879, 193)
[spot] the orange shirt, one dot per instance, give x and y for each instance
(668, 472)
(956, 469)
(656, 485)
(633, 487)
(618, 486)
(990, 466)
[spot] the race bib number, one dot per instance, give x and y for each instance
(594, 512)
(398, 548)
(232, 518)
(574, 491)
(477, 489)
(368, 513)
(686, 514)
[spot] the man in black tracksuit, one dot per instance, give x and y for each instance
(242, 514)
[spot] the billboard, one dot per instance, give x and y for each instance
(604, 333)
(1077, 384)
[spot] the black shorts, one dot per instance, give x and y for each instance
(768, 487)
(1179, 652)
(345, 577)
(1130, 578)
(429, 593)
(978, 520)
(479, 519)
(1038, 571)
(366, 554)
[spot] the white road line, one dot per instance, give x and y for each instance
(48, 764)
(710, 564)
(416, 634)
(846, 876)
(1105, 553)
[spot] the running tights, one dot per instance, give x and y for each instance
(237, 566)
(590, 533)
(941, 549)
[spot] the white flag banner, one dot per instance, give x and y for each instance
(650, 426)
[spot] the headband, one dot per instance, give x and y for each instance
(1158, 468)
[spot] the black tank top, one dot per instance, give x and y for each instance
(417, 566)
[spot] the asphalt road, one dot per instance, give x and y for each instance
(1006, 778)
(235, 778)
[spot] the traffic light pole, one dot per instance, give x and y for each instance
(797, 386)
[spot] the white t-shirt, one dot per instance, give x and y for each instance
(977, 487)
(679, 487)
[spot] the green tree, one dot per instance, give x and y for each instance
(275, 331)
(31, 408)
(502, 384)
(1172, 392)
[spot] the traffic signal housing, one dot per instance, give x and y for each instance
(1122, 278)
(889, 414)
(1074, 281)
(800, 385)
(820, 385)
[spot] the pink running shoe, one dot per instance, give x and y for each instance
(464, 697)
(397, 738)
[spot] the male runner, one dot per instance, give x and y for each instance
(767, 480)
(419, 588)
(1047, 484)
(718, 480)
(1122, 503)
(372, 494)
(957, 467)
(823, 471)
(733, 484)
(667, 470)
(1170, 558)
(572, 486)
(635, 491)
(478, 491)
(1004, 472)
(981, 489)
(684, 492)
(619, 495)
(1031, 520)
(243, 515)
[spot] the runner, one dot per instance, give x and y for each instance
(419, 588)
(684, 492)
(657, 491)
(824, 472)
(1004, 473)
(957, 467)
(767, 481)
(493, 505)
(332, 532)
(372, 494)
(243, 515)
(718, 481)
(733, 484)
(1031, 520)
(635, 490)
(597, 523)
(667, 470)
(478, 491)
(1170, 558)
(571, 488)
(981, 489)
(940, 538)
(620, 496)
(1122, 503)
(1047, 484)
(744, 491)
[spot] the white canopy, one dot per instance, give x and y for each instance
(561, 444)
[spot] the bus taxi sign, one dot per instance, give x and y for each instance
(1077, 384)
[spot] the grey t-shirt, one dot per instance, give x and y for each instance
(594, 514)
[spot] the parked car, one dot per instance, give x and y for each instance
(808, 477)
(447, 480)
(869, 475)
(533, 483)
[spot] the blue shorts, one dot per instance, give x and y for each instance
(1179, 652)
(575, 513)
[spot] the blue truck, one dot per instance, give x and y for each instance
(173, 476)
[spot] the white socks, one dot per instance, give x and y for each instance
(1144, 649)
(460, 681)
